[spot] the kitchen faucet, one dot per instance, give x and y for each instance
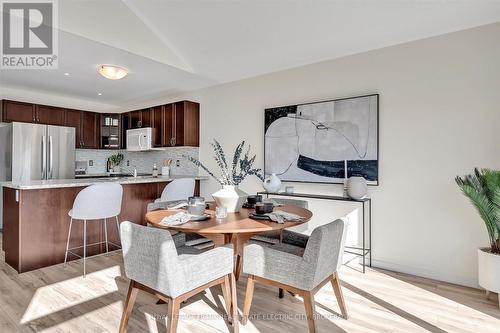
(133, 173)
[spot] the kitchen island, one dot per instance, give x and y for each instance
(36, 221)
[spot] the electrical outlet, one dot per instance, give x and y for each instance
(128, 163)
(91, 162)
(177, 163)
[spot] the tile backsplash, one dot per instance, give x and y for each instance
(142, 160)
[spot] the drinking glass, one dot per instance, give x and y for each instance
(220, 212)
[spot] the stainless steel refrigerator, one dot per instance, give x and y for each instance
(35, 152)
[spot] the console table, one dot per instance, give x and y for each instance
(365, 250)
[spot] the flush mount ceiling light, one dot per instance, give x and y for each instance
(112, 72)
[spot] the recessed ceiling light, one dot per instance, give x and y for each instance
(112, 72)
(100, 94)
(66, 74)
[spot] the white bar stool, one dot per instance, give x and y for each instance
(96, 202)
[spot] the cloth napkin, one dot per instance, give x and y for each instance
(176, 219)
(280, 216)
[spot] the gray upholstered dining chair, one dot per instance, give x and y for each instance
(302, 271)
(154, 264)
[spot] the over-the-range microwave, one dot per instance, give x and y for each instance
(140, 139)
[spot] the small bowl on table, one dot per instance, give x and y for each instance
(253, 199)
(262, 208)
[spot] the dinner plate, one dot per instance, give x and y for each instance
(197, 218)
(258, 216)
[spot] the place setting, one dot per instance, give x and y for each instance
(192, 210)
(264, 210)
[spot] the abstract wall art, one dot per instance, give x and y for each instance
(313, 142)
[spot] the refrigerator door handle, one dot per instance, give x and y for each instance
(44, 157)
(51, 158)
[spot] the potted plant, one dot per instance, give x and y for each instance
(483, 189)
(116, 160)
(230, 196)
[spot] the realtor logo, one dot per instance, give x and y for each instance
(29, 34)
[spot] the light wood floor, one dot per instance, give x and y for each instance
(58, 299)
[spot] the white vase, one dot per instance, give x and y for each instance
(231, 197)
(357, 187)
(488, 270)
(272, 183)
(117, 169)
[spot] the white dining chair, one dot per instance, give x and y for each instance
(178, 189)
(175, 192)
(98, 202)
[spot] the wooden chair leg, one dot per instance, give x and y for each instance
(248, 299)
(173, 315)
(310, 313)
(226, 291)
(129, 305)
(337, 288)
(281, 293)
(237, 269)
(234, 304)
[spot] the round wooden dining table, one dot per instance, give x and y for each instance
(236, 228)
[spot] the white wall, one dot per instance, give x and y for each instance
(439, 117)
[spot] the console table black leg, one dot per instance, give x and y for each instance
(364, 245)
(370, 230)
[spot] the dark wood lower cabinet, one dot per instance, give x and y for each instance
(36, 227)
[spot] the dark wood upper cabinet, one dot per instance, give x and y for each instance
(176, 124)
(157, 125)
(135, 119)
(90, 130)
(181, 124)
(18, 111)
(110, 135)
(50, 115)
(86, 126)
(74, 119)
(168, 120)
(125, 125)
(140, 118)
(186, 124)
(147, 117)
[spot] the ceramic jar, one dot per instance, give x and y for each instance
(272, 183)
(357, 187)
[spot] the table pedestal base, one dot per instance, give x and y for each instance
(238, 240)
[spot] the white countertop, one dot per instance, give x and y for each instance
(60, 183)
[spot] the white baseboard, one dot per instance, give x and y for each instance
(426, 273)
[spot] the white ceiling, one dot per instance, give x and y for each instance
(172, 47)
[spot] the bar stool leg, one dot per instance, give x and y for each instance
(84, 245)
(67, 242)
(106, 234)
(118, 227)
